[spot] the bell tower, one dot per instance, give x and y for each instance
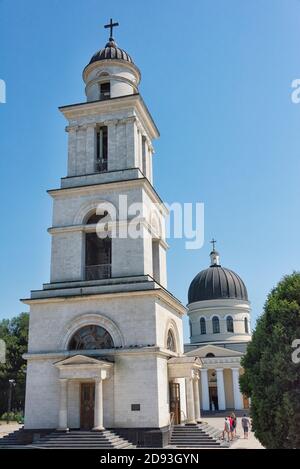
(107, 298)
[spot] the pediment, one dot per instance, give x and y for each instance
(217, 351)
(78, 360)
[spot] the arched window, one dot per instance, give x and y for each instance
(216, 325)
(90, 338)
(202, 326)
(229, 324)
(171, 345)
(246, 324)
(210, 355)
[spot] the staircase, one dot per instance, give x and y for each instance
(16, 438)
(82, 440)
(196, 436)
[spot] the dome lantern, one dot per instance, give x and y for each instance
(111, 72)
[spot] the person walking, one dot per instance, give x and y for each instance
(226, 429)
(245, 425)
(234, 423)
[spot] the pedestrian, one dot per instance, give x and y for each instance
(245, 425)
(234, 423)
(226, 428)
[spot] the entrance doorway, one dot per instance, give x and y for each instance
(213, 398)
(87, 402)
(175, 402)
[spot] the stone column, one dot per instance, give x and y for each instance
(221, 389)
(90, 148)
(238, 404)
(98, 411)
(197, 398)
(204, 389)
(190, 406)
(63, 406)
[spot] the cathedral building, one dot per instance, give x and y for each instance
(106, 336)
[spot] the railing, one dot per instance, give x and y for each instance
(97, 272)
(101, 165)
(171, 425)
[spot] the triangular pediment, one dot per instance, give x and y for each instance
(217, 351)
(77, 360)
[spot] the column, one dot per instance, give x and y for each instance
(98, 410)
(90, 148)
(63, 406)
(204, 389)
(190, 406)
(221, 390)
(238, 404)
(196, 398)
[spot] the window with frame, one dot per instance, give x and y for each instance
(202, 326)
(216, 325)
(229, 324)
(104, 90)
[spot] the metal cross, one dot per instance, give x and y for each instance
(111, 26)
(213, 242)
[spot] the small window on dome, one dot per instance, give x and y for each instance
(202, 326)
(216, 325)
(229, 323)
(104, 90)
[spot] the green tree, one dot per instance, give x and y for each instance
(14, 332)
(272, 378)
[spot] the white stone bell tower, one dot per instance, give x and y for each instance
(107, 299)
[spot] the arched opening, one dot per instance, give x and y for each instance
(171, 344)
(90, 338)
(98, 252)
(229, 324)
(94, 218)
(210, 355)
(102, 149)
(216, 325)
(202, 326)
(246, 325)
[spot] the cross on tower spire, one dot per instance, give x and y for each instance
(111, 26)
(213, 242)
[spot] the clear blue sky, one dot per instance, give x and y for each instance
(216, 76)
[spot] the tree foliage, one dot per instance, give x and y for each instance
(272, 378)
(14, 332)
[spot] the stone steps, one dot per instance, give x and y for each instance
(82, 439)
(195, 436)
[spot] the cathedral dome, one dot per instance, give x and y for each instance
(111, 51)
(216, 283)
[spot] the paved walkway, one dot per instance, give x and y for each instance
(8, 428)
(239, 443)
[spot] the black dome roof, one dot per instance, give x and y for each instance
(111, 51)
(215, 283)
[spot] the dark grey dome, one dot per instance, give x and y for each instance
(111, 51)
(215, 283)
